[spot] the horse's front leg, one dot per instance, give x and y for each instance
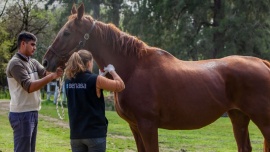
(148, 131)
(138, 138)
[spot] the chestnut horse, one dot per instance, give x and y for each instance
(165, 92)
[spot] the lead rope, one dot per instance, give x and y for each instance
(61, 116)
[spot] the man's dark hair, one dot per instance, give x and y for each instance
(25, 36)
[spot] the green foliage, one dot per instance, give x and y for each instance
(25, 16)
(189, 29)
(45, 38)
(252, 36)
(5, 43)
(201, 29)
(4, 93)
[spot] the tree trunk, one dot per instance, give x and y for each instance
(116, 5)
(95, 4)
(219, 34)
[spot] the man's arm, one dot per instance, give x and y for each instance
(38, 84)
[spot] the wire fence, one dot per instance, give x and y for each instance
(4, 93)
(109, 99)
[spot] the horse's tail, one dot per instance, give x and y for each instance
(266, 142)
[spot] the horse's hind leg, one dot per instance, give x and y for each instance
(264, 125)
(266, 146)
(240, 123)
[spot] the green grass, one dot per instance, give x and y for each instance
(50, 138)
(217, 137)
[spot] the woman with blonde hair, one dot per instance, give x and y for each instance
(86, 106)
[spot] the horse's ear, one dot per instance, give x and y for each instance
(80, 11)
(74, 9)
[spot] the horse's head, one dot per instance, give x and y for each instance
(71, 37)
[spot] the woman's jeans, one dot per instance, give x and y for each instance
(88, 145)
(24, 125)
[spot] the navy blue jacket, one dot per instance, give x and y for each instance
(86, 111)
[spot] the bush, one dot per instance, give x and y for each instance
(4, 93)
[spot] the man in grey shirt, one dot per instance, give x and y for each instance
(26, 76)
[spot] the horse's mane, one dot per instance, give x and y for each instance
(121, 41)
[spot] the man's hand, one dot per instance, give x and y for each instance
(109, 68)
(58, 73)
(38, 84)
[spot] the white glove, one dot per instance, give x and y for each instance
(102, 73)
(109, 68)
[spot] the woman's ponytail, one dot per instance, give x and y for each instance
(77, 63)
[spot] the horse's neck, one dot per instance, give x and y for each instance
(124, 65)
(125, 70)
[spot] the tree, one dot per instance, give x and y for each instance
(95, 6)
(24, 16)
(114, 10)
(5, 43)
(247, 27)
(3, 8)
(174, 25)
(193, 29)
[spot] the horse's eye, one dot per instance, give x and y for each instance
(66, 33)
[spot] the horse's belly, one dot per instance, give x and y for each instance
(187, 120)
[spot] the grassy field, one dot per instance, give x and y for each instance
(53, 135)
